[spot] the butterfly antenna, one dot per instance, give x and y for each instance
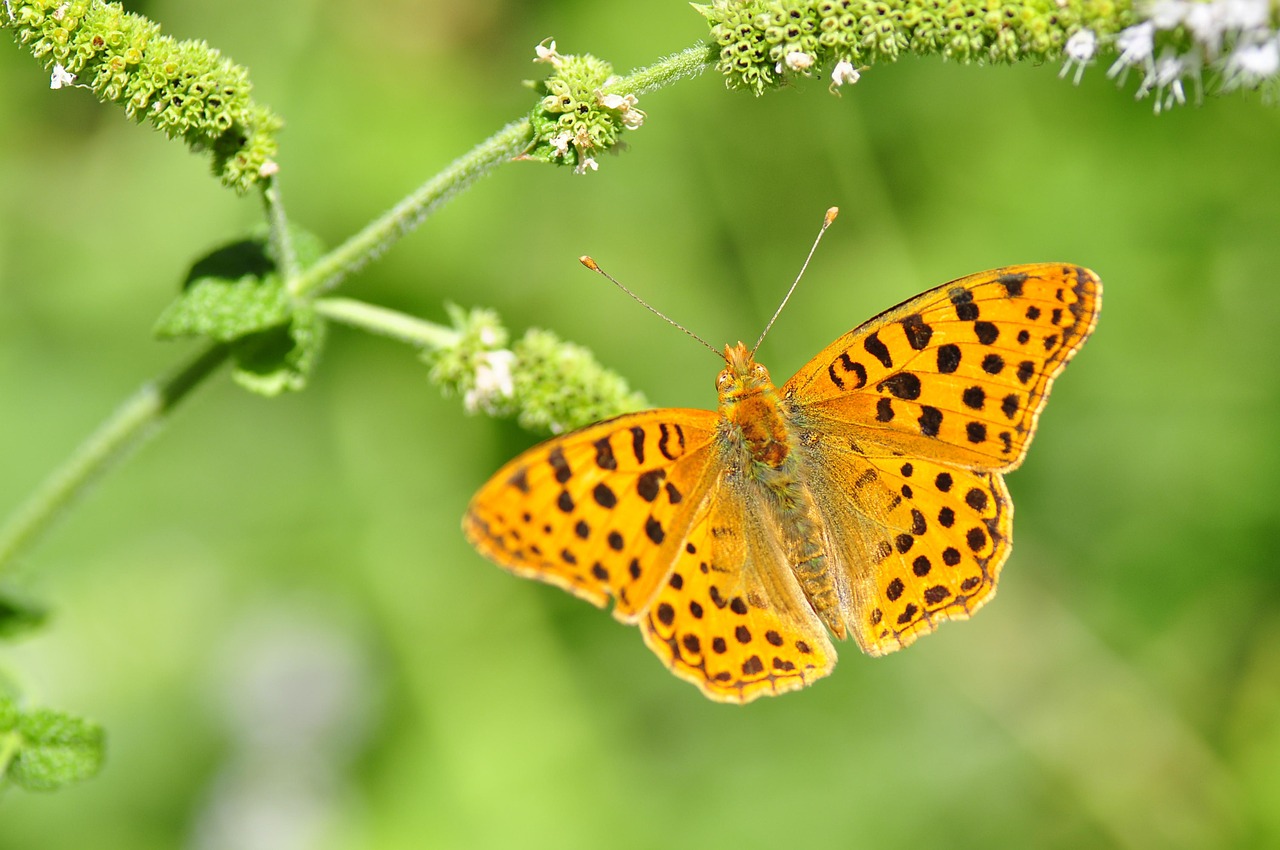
(826, 222)
(595, 267)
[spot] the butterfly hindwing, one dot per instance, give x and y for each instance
(599, 511)
(959, 373)
(730, 616)
(920, 542)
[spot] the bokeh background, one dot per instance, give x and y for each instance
(274, 614)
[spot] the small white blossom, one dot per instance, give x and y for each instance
(625, 105)
(545, 51)
(61, 12)
(561, 143)
(493, 382)
(1166, 80)
(61, 77)
(1250, 64)
(587, 164)
(1135, 44)
(1245, 15)
(488, 335)
(798, 60)
(1206, 24)
(1167, 14)
(1080, 50)
(844, 74)
(269, 168)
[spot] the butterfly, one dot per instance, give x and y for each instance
(863, 497)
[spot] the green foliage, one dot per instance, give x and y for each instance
(44, 750)
(235, 295)
(185, 88)
(762, 42)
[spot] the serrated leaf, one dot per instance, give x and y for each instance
(229, 294)
(48, 749)
(280, 360)
(18, 615)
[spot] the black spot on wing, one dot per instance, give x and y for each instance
(1012, 283)
(878, 350)
(604, 454)
(558, 463)
(901, 385)
(918, 333)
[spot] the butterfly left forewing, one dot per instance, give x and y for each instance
(598, 512)
(959, 373)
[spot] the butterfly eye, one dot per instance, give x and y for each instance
(723, 380)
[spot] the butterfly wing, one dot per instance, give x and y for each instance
(959, 373)
(731, 617)
(599, 512)
(913, 542)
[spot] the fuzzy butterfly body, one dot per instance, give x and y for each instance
(863, 497)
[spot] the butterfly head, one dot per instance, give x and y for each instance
(742, 376)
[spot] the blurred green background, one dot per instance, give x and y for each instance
(271, 607)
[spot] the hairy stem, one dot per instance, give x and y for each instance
(281, 239)
(409, 213)
(386, 322)
(124, 430)
(687, 63)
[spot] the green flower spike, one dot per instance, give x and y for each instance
(184, 88)
(577, 118)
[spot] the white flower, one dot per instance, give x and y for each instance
(625, 105)
(545, 51)
(1166, 79)
(844, 74)
(1206, 24)
(1080, 50)
(798, 60)
(493, 382)
(587, 164)
(61, 12)
(1245, 15)
(269, 168)
(61, 77)
(1250, 64)
(1167, 14)
(561, 143)
(1135, 44)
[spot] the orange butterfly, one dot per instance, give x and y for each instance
(864, 496)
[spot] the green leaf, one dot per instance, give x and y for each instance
(235, 295)
(229, 294)
(43, 750)
(17, 615)
(280, 360)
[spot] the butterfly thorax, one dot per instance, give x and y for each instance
(755, 421)
(750, 403)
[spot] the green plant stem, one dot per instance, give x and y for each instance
(281, 240)
(386, 322)
(369, 243)
(687, 63)
(123, 431)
